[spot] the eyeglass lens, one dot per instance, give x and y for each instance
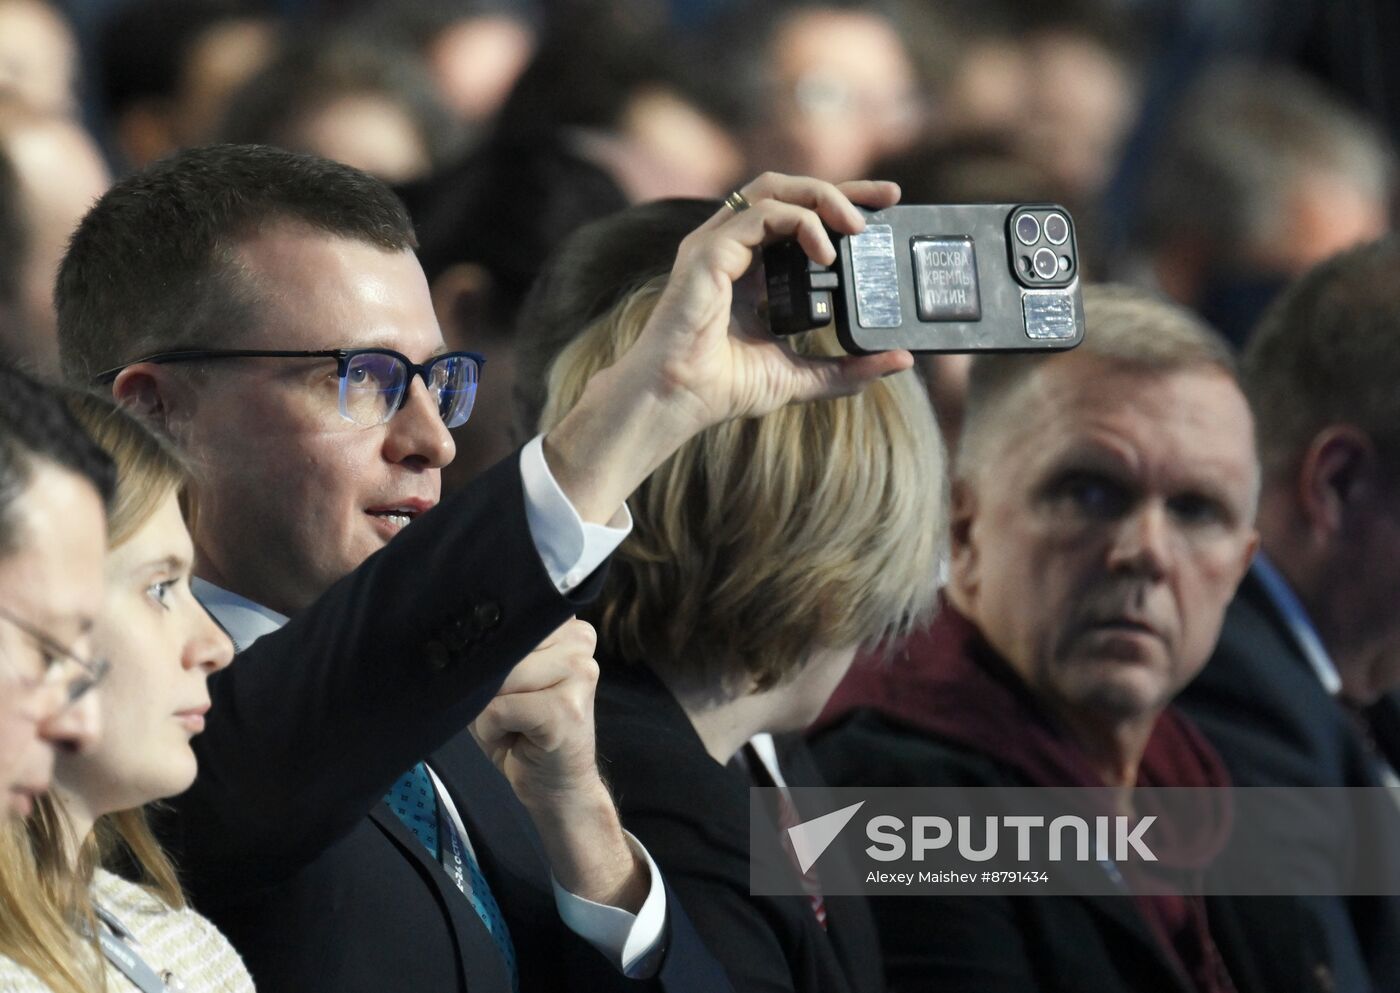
(374, 384)
(51, 667)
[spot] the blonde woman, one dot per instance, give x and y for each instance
(763, 553)
(69, 924)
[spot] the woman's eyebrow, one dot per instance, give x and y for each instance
(167, 563)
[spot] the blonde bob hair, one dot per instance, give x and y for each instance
(44, 899)
(764, 540)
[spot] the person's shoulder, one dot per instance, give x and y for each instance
(656, 764)
(15, 978)
(869, 748)
(179, 939)
(633, 706)
(125, 899)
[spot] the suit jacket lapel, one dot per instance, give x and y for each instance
(1254, 597)
(479, 958)
(513, 862)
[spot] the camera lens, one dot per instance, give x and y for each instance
(1056, 229)
(1027, 229)
(1047, 263)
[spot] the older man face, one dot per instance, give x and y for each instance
(1103, 529)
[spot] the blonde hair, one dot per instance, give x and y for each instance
(44, 893)
(761, 541)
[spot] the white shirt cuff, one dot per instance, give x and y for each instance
(570, 547)
(632, 943)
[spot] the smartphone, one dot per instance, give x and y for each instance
(938, 278)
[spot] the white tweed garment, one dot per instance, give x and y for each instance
(179, 941)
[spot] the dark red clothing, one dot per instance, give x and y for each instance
(949, 682)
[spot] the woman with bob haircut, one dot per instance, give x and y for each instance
(67, 923)
(763, 554)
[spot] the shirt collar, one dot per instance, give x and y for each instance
(243, 620)
(1299, 625)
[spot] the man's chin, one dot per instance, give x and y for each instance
(1121, 695)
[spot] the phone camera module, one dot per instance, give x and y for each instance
(1027, 229)
(1056, 229)
(1046, 263)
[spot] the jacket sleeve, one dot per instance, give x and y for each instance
(313, 723)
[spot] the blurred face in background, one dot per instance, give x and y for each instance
(38, 55)
(61, 172)
(163, 647)
(847, 95)
(221, 59)
(687, 153)
(52, 585)
(365, 130)
(1079, 101)
(475, 62)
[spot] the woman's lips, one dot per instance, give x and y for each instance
(193, 718)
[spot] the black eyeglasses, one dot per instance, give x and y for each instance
(61, 665)
(373, 381)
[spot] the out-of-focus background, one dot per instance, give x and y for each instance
(1212, 149)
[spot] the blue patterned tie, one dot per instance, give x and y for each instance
(413, 799)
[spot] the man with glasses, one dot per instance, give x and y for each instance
(54, 483)
(267, 312)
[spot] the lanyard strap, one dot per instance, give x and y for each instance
(117, 947)
(450, 849)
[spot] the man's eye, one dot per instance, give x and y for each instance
(1094, 496)
(1193, 508)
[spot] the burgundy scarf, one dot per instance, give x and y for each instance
(948, 681)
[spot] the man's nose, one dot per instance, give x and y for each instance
(416, 433)
(1141, 542)
(76, 725)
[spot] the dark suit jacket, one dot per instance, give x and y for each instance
(284, 839)
(693, 815)
(1038, 944)
(1263, 708)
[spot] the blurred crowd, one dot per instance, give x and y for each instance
(1209, 150)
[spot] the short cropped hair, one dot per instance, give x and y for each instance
(36, 428)
(762, 541)
(152, 266)
(1122, 325)
(1328, 352)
